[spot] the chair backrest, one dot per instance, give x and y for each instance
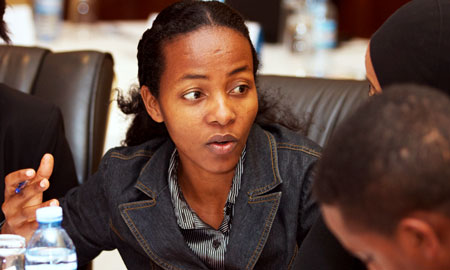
(19, 66)
(324, 103)
(78, 82)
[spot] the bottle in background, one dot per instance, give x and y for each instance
(48, 18)
(298, 26)
(50, 247)
(324, 24)
(323, 36)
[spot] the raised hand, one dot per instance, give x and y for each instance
(20, 204)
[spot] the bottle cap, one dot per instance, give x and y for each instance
(49, 214)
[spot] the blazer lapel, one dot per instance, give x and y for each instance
(257, 202)
(153, 222)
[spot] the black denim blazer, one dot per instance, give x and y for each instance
(126, 205)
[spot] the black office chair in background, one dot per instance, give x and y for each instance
(78, 82)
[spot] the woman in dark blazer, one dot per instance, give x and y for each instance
(199, 185)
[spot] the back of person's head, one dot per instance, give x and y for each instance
(3, 28)
(180, 18)
(412, 45)
(390, 158)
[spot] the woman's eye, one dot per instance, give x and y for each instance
(192, 95)
(241, 89)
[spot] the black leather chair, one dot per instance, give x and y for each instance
(321, 103)
(78, 82)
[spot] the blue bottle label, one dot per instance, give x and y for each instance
(325, 34)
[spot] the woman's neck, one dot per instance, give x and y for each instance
(206, 193)
(204, 187)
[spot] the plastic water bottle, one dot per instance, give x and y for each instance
(50, 247)
(324, 24)
(48, 18)
(298, 26)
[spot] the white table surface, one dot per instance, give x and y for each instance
(121, 39)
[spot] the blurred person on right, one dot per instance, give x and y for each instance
(412, 46)
(384, 180)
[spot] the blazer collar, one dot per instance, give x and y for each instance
(153, 222)
(154, 225)
(257, 202)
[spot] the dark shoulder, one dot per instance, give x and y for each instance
(121, 167)
(135, 156)
(292, 141)
(20, 107)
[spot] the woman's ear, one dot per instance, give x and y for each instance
(151, 105)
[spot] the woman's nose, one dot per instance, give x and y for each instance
(221, 111)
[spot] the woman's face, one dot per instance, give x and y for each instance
(208, 98)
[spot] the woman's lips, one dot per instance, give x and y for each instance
(221, 144)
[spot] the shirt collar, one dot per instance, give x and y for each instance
(186, 217)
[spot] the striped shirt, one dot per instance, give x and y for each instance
(206, 242)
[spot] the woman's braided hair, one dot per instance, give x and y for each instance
(180, 18)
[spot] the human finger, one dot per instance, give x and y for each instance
(45, 167)
(30, 212)
(31, 195)
(13, 180)
(17, 221)
(34, 190)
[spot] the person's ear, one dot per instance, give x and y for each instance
(375, 87)
(151, 105)
(418, 238)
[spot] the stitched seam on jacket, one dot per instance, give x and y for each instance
(144, 243)
(293, 256)
(141, 185)
(147, 204)
(260, 199)
(145, 166)
(301, 150)
(115, 231)
(304, 149)
(252, 261)
(140, 153)
(281, 144)
(273, 169)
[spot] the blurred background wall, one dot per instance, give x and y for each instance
(356, 18)
(361, 18)
(129, 9)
